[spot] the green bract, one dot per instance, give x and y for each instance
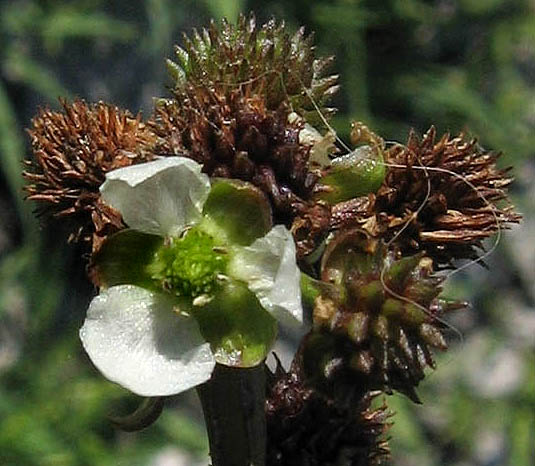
(197, 257)
(356, 174)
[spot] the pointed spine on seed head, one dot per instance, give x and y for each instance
(306, 427)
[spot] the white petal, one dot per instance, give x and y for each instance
(269, 268)
(135, 339)
(159, 197)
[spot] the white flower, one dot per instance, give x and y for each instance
(151, 342)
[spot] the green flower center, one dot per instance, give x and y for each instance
(189, 266)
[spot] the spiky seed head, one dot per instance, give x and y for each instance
(258, 60)
(241, 97)
(236, 136)
(306, 427)
(72, 151)
(446, 196)
(380, 333)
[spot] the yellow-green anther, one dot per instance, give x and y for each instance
(356, 174)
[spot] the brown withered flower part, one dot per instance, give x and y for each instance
(438, 208)
(307, 428)
(73, 150)
(379, 333)
(310, 227)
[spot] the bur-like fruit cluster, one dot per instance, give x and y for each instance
(73, 150)
(308, 428)
(442, 197)
(241, 97)
(378, 331)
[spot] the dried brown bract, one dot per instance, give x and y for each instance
(310, 227)
(73, 150)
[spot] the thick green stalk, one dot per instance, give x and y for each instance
(233, 404)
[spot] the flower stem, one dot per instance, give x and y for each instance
(233, 404)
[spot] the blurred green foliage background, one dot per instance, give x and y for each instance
(459, 64)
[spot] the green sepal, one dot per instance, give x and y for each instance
(240, 331)
(124, 257)
(238, 210)
(146, 414)
(356, 174)
(309, 290)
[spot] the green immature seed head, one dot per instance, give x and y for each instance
(379, 332)
(188, 266)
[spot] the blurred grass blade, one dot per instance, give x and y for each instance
(34, 75)
(68, 22)
(11, 153)
(229, 9)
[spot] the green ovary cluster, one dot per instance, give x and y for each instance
(189, 266)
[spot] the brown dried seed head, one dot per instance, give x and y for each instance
(236, 136)
(307, 428)
(73, 150)
(446, 195)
